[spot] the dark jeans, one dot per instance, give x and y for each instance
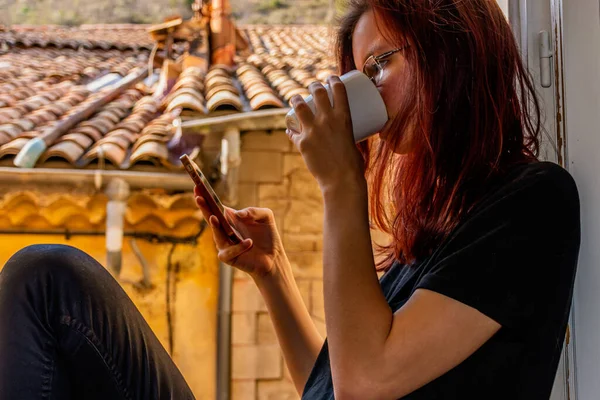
(68, 331)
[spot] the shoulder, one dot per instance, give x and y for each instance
(543, 173)
(532, 188)
(537, 200)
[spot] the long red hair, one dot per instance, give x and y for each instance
(472, 109)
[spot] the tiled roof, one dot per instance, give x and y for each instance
(146, 212)
(105, 37)
(44, 73)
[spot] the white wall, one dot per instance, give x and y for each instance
(582, 76)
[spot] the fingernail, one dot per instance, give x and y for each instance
(243, 213)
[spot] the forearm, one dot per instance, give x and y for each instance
(358, 318)
(296, 332)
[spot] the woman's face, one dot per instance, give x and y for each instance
(368, 41)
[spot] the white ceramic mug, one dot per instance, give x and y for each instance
(367, 109)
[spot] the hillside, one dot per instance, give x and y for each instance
(76, 12)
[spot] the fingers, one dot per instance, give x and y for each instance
(229, 254)
(221, 240)
(294, 136)
(303, 112)
(340, 96)
(219, 236)
(206, 213)
(321, 98)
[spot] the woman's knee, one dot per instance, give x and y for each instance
(43, 259)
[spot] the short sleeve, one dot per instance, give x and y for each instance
(516, 249)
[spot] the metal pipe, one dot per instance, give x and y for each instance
(224, 333)
(231, 145)
(256, 120)
(146, 280)
(147, 236)
(87, 177)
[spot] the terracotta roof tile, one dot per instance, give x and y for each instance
(223, 99)
(13, 147)
(81, 139)
(69, 150)
(109, 151)
(74, 144)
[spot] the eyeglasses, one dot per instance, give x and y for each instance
(373, 67)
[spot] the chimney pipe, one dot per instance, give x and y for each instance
(222, 31)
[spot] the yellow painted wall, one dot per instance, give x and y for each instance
(194, 304)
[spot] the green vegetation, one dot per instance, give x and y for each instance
(266, 6)
(76, 12)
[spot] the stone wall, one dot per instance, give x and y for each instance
(273, 175)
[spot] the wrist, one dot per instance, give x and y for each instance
(281, 267)
(345, 186)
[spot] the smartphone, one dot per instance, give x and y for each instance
(210, 197)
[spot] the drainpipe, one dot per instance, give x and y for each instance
(230, 162)
(117, 191)
(224, 333)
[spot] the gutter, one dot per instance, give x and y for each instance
(247, 121)
(90, 177)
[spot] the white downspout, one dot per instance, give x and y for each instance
(117, 191)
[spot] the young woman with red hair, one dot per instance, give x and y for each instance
(479, 271)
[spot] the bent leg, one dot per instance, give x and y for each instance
(68, 330)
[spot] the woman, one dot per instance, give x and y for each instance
(478, 274)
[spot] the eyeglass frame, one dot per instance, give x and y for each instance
(377, 60)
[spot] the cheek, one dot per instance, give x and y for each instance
(392, 97)
(393, 88)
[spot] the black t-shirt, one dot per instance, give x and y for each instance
(513, 258)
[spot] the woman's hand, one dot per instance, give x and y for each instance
(258, 253)
(326, 141)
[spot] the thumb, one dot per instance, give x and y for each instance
(252, 214)
(260, 215)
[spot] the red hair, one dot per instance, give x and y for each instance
(472, 110)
